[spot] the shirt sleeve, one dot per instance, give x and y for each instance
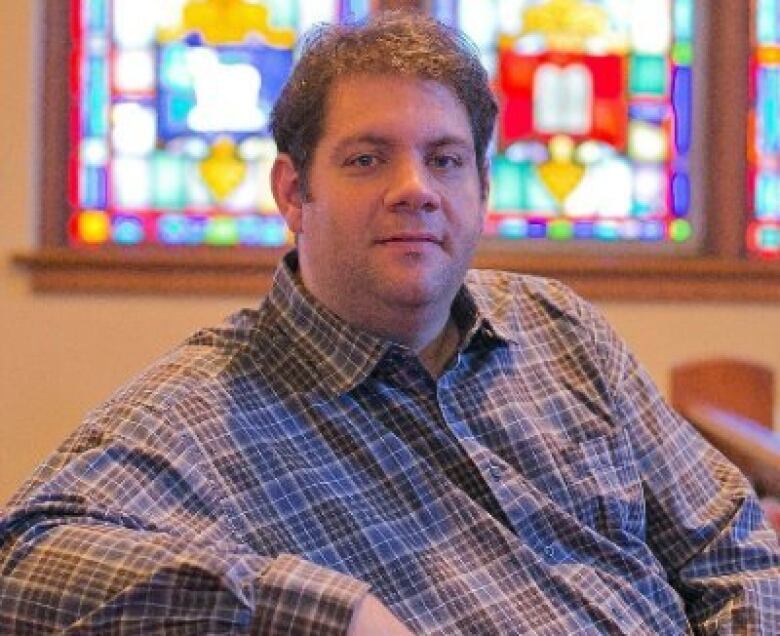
(704, 522)
(119, 535)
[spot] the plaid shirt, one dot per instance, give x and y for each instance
(267, 473)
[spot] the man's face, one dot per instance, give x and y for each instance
(395, 207)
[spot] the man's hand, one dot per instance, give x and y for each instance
(371, 618)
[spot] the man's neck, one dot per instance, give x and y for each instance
(436, 356)
(434, 338)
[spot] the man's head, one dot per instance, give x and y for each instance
(407, 44)
(382, 133)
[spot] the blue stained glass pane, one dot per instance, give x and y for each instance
(172, 229)
(174, 74)
(652, 231)
(172, 114)
(768, 196)
(513, 229)
(682, 96)
(95, 105)
(177, 99)
(766, 17)
(764, 153)
(606, 231)
(254, 230)
(284, 14)
(768, 108)
(583, 230)
(681, 194)
(354, 10)
(651, 113)
(96, 18)
(769, 238)
(537, 229)
(127, 230)
(176, 229)
(93, 187)
(446, 11)
(683, 20)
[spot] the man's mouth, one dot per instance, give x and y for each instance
(409, 238)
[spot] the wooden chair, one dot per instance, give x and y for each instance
(731, 402)
(740, 387)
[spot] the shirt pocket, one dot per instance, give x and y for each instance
(604, 484)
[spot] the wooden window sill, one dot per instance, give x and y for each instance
(249, 271)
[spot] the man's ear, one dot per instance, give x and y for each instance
(286, 188)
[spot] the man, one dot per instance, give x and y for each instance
(390, 444)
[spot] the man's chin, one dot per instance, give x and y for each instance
(416, 292)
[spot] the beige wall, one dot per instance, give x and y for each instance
(61, 354)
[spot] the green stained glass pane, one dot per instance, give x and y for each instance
(283, 13)
(769, 238)
(222, 231)
(680, 231)
(169, 181)
(682, 54)
(648, 74)
(560, 230)
(538, 197)
(507, 186)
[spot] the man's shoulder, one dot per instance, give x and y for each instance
(203, 368)
(497, 282)
(523, 301)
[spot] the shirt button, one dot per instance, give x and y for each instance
(495, 472)
(549, 552)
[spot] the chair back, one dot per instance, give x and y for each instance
(738, 386)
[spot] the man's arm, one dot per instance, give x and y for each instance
(704, 522)
(123, 535)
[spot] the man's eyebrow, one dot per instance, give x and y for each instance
(384, 142)
(452, 140)
(363, 138)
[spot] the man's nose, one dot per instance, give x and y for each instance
(412, 187)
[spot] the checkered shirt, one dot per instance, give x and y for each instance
(266, 474)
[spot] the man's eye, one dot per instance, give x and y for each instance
(446, 161)
(363, 161)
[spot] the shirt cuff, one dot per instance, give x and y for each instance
(299, 597)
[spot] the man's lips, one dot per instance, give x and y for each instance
(410, 237)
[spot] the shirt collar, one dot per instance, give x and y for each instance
(475, 317)
(343, 354)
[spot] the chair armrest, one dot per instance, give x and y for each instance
(752, 447)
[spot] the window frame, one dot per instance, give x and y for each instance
(720, 270)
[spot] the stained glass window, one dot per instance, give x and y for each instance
(595, 129)
(763, 235)
(169, 117)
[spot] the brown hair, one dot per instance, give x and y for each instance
(405, 43)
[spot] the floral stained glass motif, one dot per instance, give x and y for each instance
(595, 127)
(763, 232)
(170, 117)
